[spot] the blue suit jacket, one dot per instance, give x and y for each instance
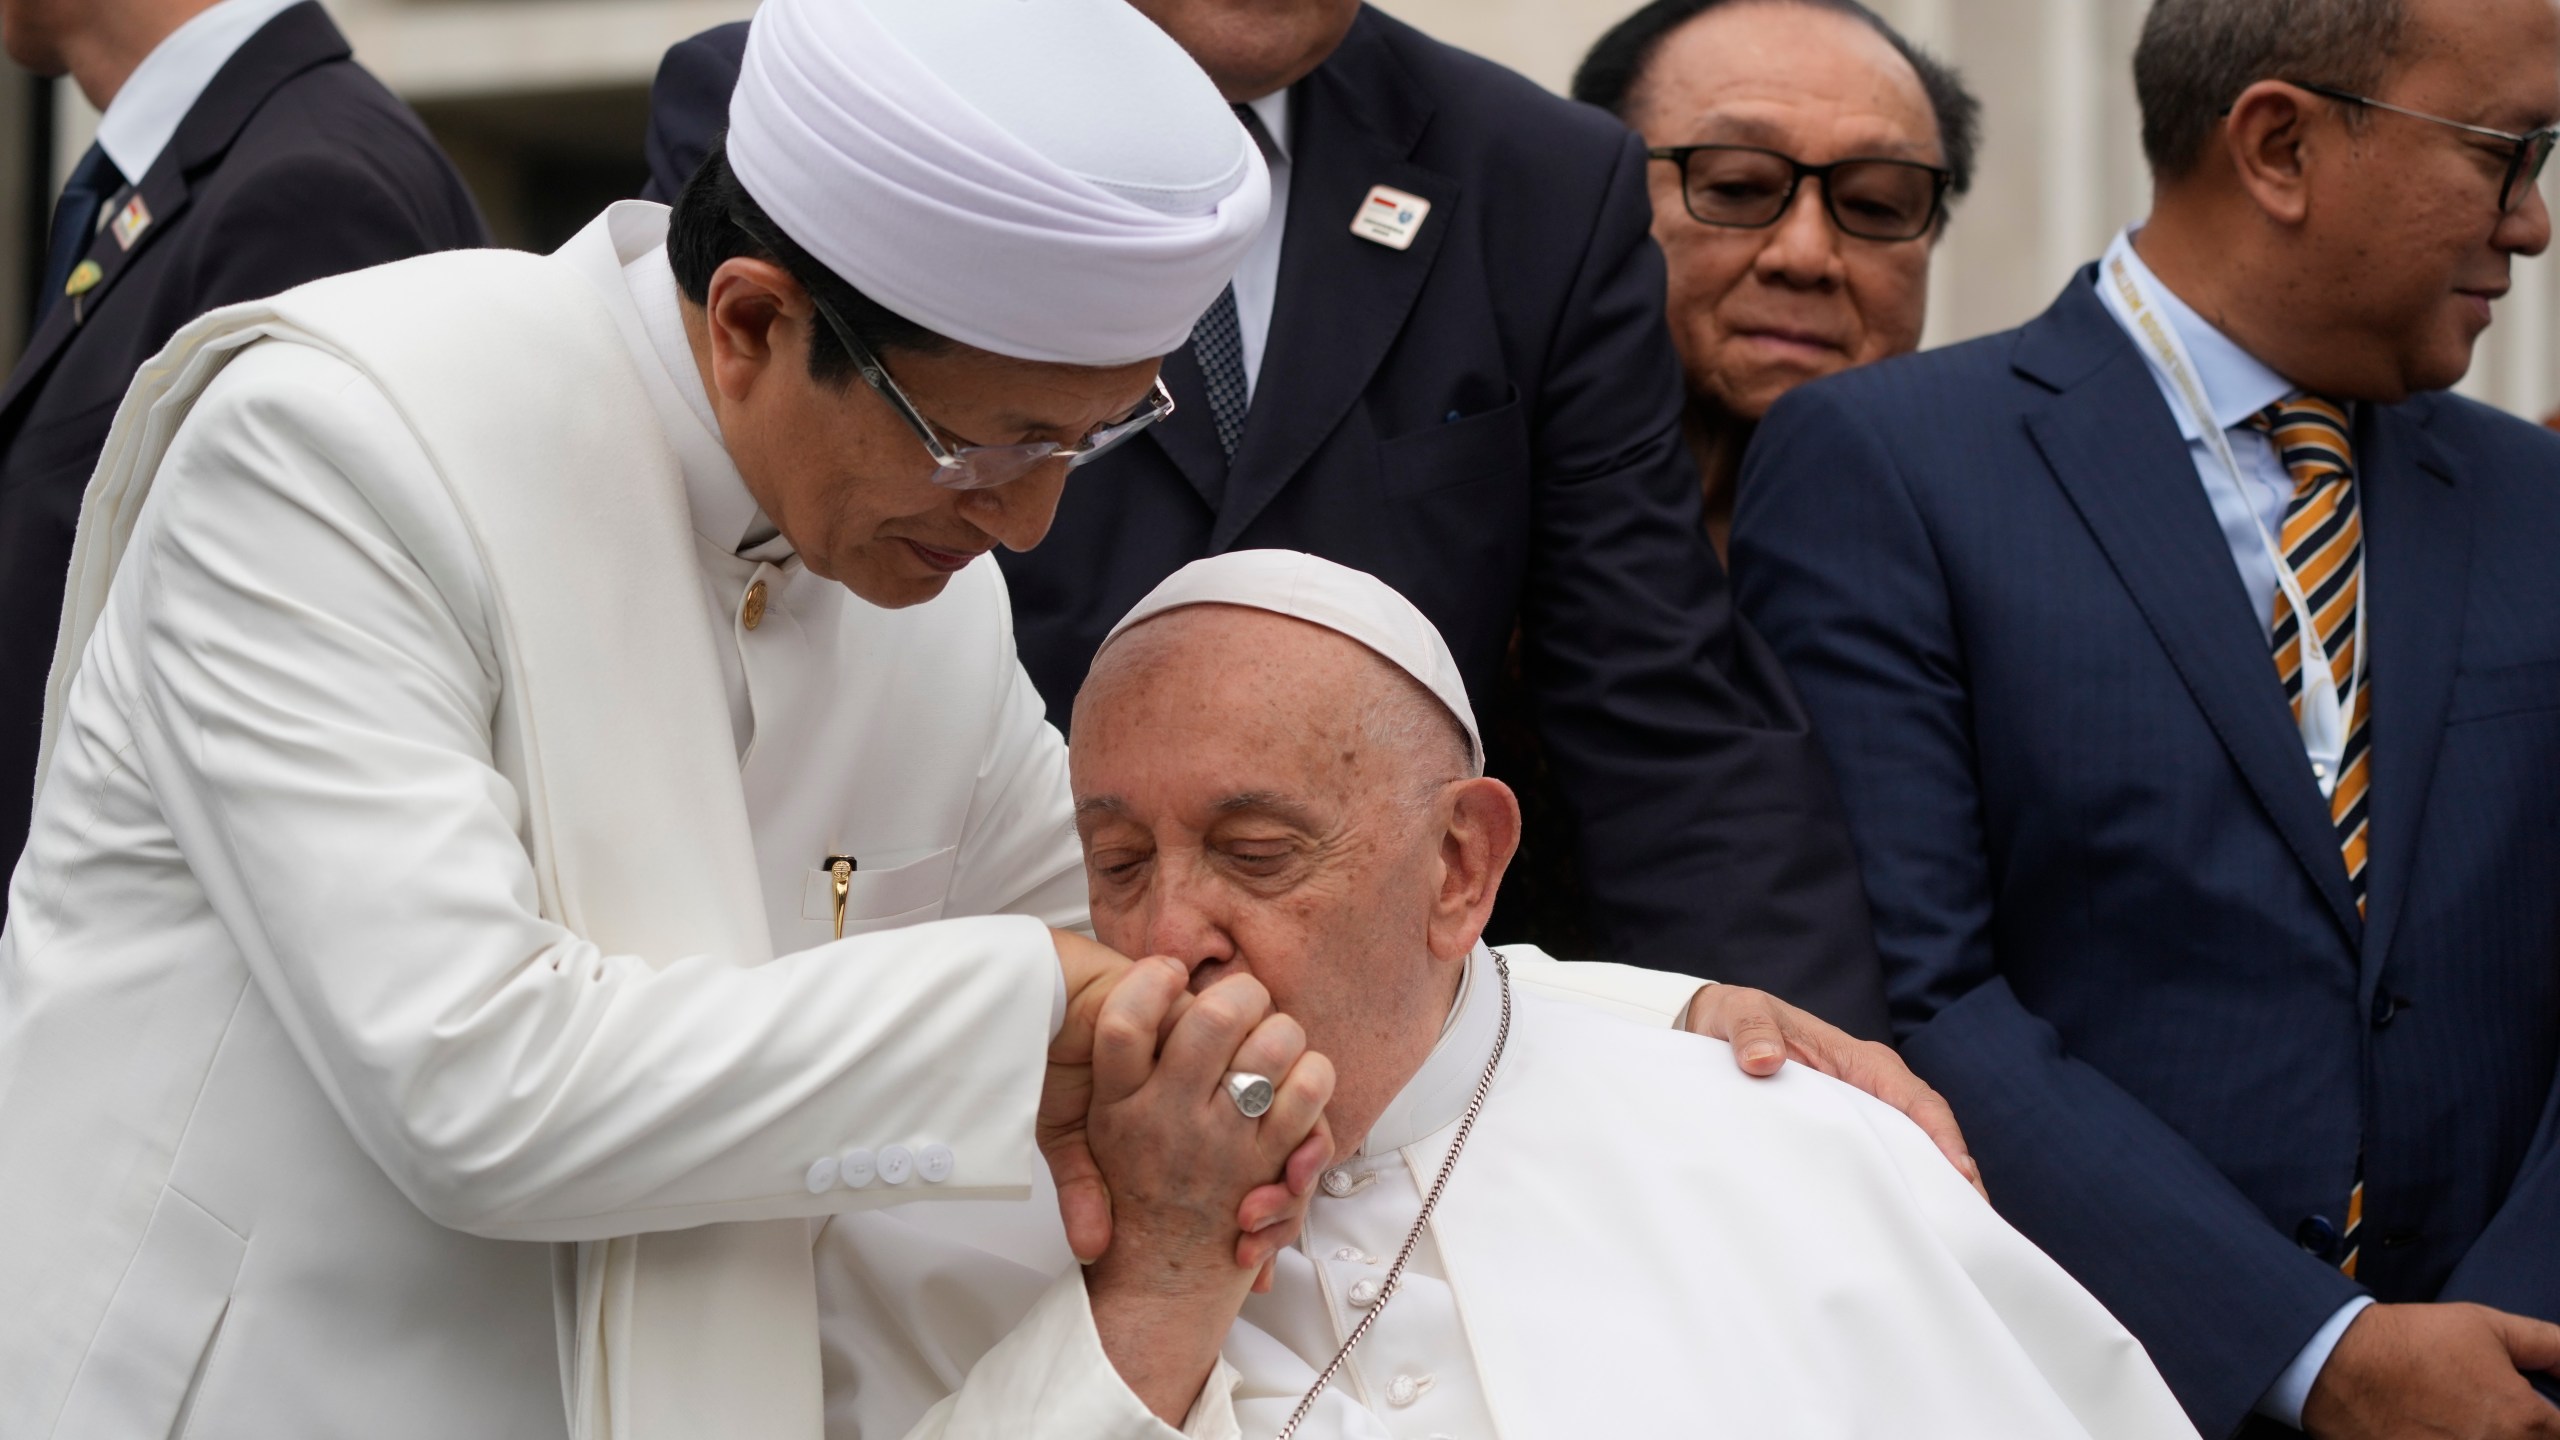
(1489, 421)
(2116, 926)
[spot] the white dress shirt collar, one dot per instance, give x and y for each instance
(1438, 1093)
(146, 112)
(2236, 383)
(639, 287)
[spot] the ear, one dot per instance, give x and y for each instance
(757, 316)
(1483, 833)
(2267, 137)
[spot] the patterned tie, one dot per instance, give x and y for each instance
(1219, 342)
(2323, 545)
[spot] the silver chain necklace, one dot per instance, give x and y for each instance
(1413, 1237)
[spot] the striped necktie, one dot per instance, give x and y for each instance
(2323, 544)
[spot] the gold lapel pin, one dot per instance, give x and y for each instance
(84, 277)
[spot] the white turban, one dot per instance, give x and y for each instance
(1348, 602)
(1048, 179)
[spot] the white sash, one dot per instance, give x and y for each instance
(2128, 292)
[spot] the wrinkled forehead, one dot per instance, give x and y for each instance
(1248, 660)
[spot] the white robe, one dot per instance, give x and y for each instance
(302, 1035)
(1637, 1240)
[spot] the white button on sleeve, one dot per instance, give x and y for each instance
(856, 1169)
(822, 1175)
(934, 1163)
(1364, 1294)
(897, 1162)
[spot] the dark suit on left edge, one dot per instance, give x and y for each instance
(1489, 422)
(2118, 931)
(293, 164)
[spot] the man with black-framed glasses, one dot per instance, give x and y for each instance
(1803, 156)
(2191, 661)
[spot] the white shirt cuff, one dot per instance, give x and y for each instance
(2284, 1399)
(1057, 1001)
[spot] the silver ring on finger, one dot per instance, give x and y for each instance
(1252, 1093)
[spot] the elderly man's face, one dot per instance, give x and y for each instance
(2403, 246)
(842, 475)
(1241, 812)
(1758, 312)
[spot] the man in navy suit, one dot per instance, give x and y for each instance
(242, 152)
(1473, 397)
(2191, 665)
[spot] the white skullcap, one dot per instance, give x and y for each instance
(1048, 179)
(1348, 602)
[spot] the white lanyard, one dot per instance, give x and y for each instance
(2127, 292)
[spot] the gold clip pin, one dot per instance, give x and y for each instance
(842, 868)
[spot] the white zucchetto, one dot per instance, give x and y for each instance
(1352, 603)
(1053, 180)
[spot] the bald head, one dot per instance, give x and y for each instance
(1258, 793)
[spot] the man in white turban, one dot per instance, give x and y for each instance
(515, 851)
(1548, 1221)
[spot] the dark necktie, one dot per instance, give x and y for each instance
(75, 222)
(1219, 341)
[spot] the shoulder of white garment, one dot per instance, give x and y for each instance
(1618, 1160)
(300, 425)
(1658, 997)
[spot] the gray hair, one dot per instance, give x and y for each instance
(2196, 56)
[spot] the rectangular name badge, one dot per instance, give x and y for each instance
(1390, 217)
(130, 222)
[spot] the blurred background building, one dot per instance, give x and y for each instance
(541, 104)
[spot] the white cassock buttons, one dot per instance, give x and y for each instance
(934, 1163)
(1403, 1390)
(1364, 1294)
(897, 1162)
(1346, 1253)
(1338, 1183)
(822, 1175)
(856, 1169)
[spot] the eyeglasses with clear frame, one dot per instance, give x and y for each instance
(1745, 187)
(977, 467)
(2526, 154)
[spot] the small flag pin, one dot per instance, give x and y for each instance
(1390, 217)
(130, 222)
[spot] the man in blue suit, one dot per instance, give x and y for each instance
(1473, 397)
(2191, 665)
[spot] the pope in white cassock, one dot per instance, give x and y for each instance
(1552, 1221)
(516, 856)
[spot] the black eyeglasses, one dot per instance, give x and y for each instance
(1748, 188)
(975, 467)
(2526, 154)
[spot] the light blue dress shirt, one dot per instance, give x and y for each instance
(2238, 385)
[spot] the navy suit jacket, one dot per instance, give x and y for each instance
(1489, 421)
(2116, 925)
(293, 164)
